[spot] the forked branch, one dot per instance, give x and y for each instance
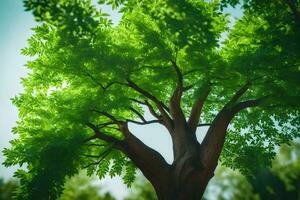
(150, 108)
(138, 114)
(161, 107)
(214, 140)
(145, 93)
(239, 93)
(103, 136)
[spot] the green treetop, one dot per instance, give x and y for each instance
(88, 79)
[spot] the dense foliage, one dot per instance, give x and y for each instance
(87, 73)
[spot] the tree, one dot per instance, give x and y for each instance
(7, 189)
(90, 79)
(283, 179)
(82, 187)
(228, 184)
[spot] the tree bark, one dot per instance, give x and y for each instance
(187, 177)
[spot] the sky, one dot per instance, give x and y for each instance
(15, 29)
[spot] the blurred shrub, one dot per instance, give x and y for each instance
(141, 190)
(7, 188)
(83, 187)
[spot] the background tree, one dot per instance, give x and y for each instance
(7, 189)
(78, 187)
(228, 184)
(279, 182)
(90, 79)
(141, 190)
(83, 187)
(283, 179)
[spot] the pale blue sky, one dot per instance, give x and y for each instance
(15, 28)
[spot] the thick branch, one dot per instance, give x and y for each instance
(178, 73)
(175, 107)
(149, 161)
(247, 104)
(197, 108)
(214, 140)
(239, 93)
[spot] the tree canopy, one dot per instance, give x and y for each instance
(89, 78)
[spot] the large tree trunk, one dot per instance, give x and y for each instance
(185, 181)
(189, 189)
(187, 177)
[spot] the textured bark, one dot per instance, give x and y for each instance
(187, 177)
